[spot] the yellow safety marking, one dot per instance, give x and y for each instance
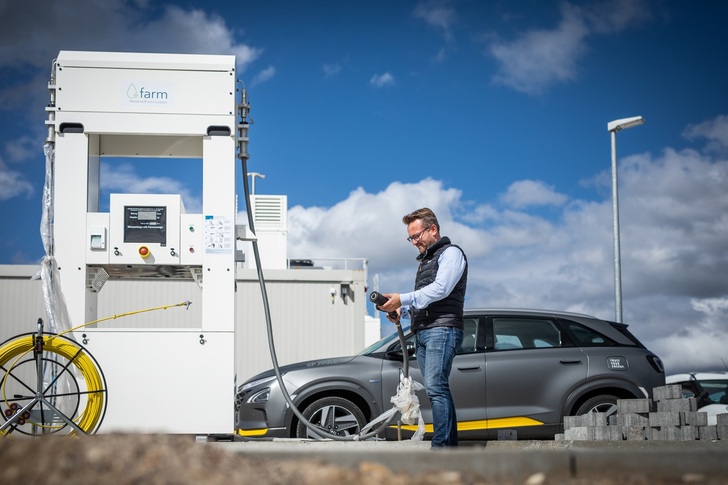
(252, 432)
(480, 424)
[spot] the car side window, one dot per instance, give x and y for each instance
(470, 336)
(586, 337)
(525, 333)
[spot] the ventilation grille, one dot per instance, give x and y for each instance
(269, 211)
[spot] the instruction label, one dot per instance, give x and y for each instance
(219, 235)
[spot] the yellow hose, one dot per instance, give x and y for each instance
(91, 415)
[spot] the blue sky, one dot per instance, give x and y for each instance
(493, 113)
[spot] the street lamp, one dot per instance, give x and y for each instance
(252, 176)
(613, 127)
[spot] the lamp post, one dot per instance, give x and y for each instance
(613, 127)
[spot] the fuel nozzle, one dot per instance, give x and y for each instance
(379, 299)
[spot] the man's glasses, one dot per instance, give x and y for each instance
(416, 237)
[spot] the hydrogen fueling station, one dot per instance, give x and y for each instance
(145, 379)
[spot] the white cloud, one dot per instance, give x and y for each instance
(701, 343)
(612, 16)
(122, 178)
(13, 183)
(674, 227)
(22, 149)
(311, 229)
(32, 36)
(382, 80)
(715, 131)
(540, 58)
(263, 76)
(437, 14)
(525, 193)
(331, 70)
(712, 306)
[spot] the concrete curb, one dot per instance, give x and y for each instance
(514, 460)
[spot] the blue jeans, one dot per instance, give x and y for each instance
(435, 350)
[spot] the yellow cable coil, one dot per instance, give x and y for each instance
(20, 346)
(90, 416)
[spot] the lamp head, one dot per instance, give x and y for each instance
(625, 123)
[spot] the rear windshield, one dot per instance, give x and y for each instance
(587, 337)
(622, 328)
(716, 390)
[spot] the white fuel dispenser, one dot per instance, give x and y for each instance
(103, 104)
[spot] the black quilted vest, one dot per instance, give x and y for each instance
(447, 312)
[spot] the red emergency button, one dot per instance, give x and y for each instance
(144, 252)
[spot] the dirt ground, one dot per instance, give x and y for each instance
(157, 460)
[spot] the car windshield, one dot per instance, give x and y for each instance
(717, 390)
(382, 344)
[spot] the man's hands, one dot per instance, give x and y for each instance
(392, 305)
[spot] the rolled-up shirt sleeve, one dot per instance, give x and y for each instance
(451, 265)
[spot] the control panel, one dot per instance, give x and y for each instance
(144, 229)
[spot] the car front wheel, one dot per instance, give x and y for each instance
(605, 403)
(331, 415)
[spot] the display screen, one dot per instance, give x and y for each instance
(145, 224)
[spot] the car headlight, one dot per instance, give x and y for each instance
(260, 396)
(255, 383)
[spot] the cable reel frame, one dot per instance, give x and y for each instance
(41, 398)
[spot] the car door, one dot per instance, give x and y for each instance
(467, 382)
(531, 367)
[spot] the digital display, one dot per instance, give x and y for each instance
(145, 224)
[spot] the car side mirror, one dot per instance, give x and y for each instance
(395, 353)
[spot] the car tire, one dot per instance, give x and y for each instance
(332, 415)
(604, 403)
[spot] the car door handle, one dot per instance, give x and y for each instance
(475, 367)
(563, 361)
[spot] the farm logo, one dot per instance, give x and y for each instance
(146, 95)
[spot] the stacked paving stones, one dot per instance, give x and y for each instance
(670, 417)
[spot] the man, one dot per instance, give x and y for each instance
(436, 312)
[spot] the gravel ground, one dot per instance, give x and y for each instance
(159, 459)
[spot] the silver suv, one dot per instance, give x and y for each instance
(518, 370)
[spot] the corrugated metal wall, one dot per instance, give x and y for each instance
(120, 296)
(307, 323)
(21, 301)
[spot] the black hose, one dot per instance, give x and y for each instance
(243, 155)
(379, 299)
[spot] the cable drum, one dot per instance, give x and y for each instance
(83, 403)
